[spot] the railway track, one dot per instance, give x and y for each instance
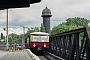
(46, 57)
(42, 57)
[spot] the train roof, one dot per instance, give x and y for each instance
(41, 33)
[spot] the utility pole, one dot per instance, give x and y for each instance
(23, 37)
(7, 47)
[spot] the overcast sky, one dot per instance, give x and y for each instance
(31, 17)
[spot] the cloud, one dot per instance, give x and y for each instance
(60, 10)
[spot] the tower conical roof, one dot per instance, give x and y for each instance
(46, 12)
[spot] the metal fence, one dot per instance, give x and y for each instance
(71, 45)
(2, 45)
(11, 45)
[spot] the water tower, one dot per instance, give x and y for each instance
(46, 14)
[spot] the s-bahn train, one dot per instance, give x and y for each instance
(39, 41)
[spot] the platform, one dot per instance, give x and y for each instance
(16, 55)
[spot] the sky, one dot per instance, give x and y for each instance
(31, 16)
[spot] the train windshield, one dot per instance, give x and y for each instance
(40, 38)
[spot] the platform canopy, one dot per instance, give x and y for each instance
(7, 4)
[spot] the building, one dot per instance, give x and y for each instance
(46, 14)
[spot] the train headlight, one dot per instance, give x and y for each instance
(44, 45)
(34, 45)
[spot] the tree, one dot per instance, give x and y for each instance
(14, 37)
(60, 28)
(30, 31)
(70, 24)
(10, 39)
(1, 35)
(77, 21)
(34, 29)
(42, 28)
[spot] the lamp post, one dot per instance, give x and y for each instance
(7, 47)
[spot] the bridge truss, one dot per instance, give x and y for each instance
(71, 45)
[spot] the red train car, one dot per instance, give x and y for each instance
(39, 41)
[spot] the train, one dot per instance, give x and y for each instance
(39, 41)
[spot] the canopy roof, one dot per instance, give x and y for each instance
(7, 4)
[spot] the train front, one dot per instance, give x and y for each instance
(39, 42)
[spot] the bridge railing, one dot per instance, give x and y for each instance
(71, 45)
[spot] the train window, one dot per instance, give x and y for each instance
(35, 38)
(43, 38)
(40, 38)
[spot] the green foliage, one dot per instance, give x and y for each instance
(34, 29)
(70, 24)
(42, 28)
(14, 37)
(77, 21)
(1, 35)
(10, 39)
